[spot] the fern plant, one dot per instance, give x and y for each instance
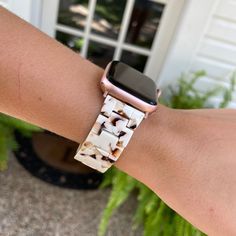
(152, 213)
(7, 140)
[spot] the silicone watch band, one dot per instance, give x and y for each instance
(109, 135)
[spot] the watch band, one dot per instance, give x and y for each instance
(109, 135)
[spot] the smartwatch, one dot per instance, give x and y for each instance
(130, 97)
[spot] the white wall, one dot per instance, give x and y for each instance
(4, 3)
(29, 10)
(21, 8)
(205, 40)
(217, 50)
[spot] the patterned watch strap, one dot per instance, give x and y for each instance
(109, 135)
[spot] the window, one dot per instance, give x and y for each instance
(103, 30)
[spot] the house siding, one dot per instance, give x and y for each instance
(217, 51)
(214, 50)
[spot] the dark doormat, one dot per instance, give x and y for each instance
(65, 172)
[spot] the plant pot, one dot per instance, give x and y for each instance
(50, 158)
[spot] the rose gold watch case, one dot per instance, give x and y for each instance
(108, 88)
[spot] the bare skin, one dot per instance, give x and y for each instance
(188, 158)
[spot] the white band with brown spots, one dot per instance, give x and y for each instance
(109, 135)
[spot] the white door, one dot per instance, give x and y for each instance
(137, 32)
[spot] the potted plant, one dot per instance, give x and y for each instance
(50, 158)
(45, 155)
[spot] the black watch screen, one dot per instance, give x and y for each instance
(133, 82)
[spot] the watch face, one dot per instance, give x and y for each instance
(133, 82)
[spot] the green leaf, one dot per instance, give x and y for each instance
(122, 186)
(3, 149)
(144, 196)
(17, 124)
(7, 140)
(228, 93)
(108, 177)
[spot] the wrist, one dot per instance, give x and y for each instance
(153, 148)
(127, 102)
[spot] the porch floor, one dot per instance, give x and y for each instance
(30, 207)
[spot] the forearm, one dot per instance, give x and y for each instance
(47, 84)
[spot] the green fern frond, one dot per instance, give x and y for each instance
(228, 93)
(108, 178)
(144, 194)
(7, 139)
(122, 187)
(16, 124)
(3, 151)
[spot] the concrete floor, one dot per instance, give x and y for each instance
(30, 207)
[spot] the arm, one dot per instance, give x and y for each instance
(186, 157)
